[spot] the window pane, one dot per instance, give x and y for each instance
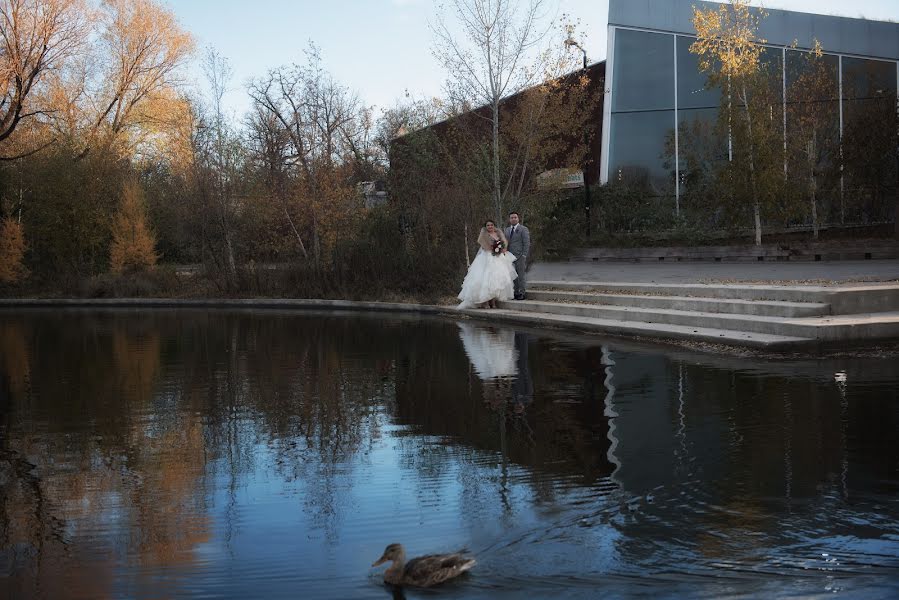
(637, 154)
(867, 85)
(869, 126)
(693, 90)
(702, 147)
(644, 71)
(863, 79)
(813, 121)
(803, 65)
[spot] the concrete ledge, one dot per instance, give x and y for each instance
(771, 333)
(784, 251)
(829, 328)
(653, 330)
(767, 308)
(242, 303)
(845, 299)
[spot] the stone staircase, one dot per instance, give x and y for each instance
(865, 249)
(761, 316)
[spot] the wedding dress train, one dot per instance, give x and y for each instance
(489, 277)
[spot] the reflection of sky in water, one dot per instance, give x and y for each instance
(280, 456)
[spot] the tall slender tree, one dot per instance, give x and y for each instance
(729, 50)
(488, 50)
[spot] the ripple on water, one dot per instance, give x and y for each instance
(212, 454)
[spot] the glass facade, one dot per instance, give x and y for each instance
(638, 155)
(693, 90)
(869, 142)
(643, 111)
(663, 128)
(645, 71)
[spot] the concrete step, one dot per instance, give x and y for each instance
(843, 299)
(643, 329)
(863, 249)
(766, 308)
(824, 328)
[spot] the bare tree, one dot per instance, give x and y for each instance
(222, 159)
(269, 147)
(322, 120)
(489, 60)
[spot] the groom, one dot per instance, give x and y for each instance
(519, 244)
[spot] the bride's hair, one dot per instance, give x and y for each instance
(489, 221)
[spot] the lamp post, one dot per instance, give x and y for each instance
(569, 43)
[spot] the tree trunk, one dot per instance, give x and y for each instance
(814, 213)
(316, 243)
(496, 184)
(756, 212)
(296, 233)
(229, 252)
(465, 238)
(813, 185)
(896, 214)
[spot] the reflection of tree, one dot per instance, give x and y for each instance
(129, 478)
(562, 429)
(82, 446)
(701, 150)
(813, 124)
(870, 138)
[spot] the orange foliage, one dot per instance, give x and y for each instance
(12, 251)
(133, 243)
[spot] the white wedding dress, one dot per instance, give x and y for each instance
(489, 277)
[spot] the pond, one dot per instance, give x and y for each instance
(267, 454)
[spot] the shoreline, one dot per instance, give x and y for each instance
(448, 311)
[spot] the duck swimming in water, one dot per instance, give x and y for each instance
(423, 571)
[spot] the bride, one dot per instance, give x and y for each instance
(491, 273)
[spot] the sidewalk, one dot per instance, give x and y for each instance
(818, 273)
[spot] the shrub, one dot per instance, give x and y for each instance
(12, 251)
(133, 243)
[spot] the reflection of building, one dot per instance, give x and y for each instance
(654, 87)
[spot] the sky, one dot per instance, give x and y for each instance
(381, 49)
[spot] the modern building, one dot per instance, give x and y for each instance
(654, 94)
(654, 86)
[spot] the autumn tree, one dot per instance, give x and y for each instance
(549, 123)
(38, 38)
(133, 245)
(730, 52)
(12, 251)
(140, 51)
(320, 118)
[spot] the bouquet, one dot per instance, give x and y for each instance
(498, 247)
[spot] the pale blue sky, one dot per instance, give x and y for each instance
(380, 48)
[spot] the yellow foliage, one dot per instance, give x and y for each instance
(726, 39)
(12, 251)
(133, 243)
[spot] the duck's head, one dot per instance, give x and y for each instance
(392, 552)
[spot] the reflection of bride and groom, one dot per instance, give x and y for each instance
(500, 359)
(498, 270)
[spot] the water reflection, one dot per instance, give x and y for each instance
(258, 454)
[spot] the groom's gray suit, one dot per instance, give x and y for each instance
(519, 245)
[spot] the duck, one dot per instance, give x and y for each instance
(422, 571)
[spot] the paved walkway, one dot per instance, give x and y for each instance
(820, 273)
